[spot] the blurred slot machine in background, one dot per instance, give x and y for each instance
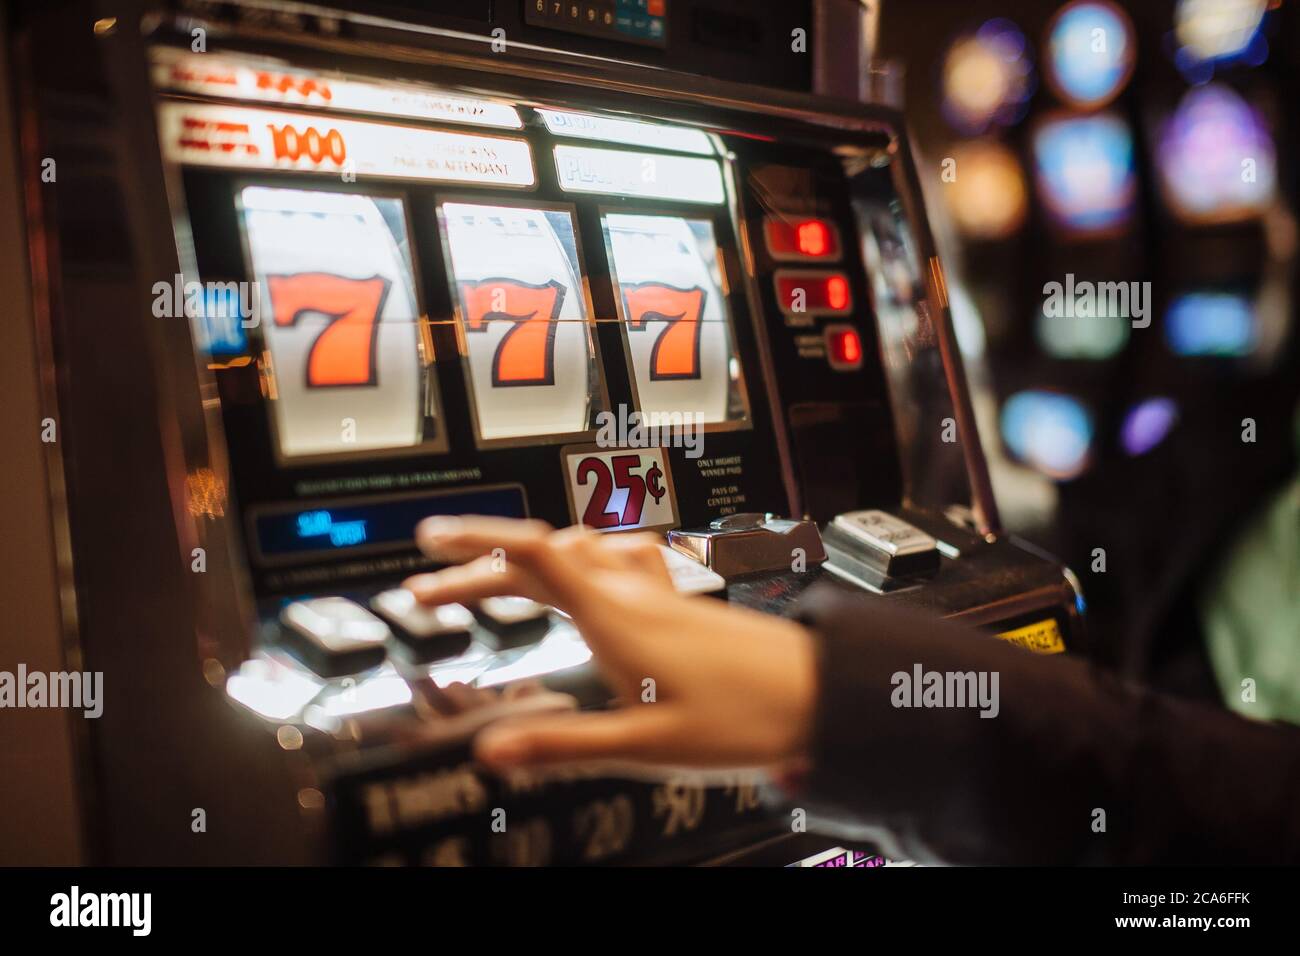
(1122, 243)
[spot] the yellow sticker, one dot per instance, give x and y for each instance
(1041, 637)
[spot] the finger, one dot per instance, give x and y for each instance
(469, 583)
(640, 552)
(464, 698)
(643, 733)
(453, 538)
(443, 700)
(524, 687)
(510, 541)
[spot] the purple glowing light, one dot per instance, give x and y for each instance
(1146, 424)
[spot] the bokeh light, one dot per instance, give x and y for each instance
(987, 78)
(1146, 424)
(988, 198)
(1215, 158)
(1048, 431)
(1085, 337)
(1218, 31)
(1219, 324)
(1090, 53)
(1084, 172)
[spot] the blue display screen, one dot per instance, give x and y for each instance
(318, 530)
(221, 325)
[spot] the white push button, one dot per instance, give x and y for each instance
(425, 633)
(513, 610)
(334, 636)
(514, 620)
(399, 606)
(691, 577)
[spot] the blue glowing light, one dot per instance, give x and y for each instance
(313, 523)
(344, 534)
(1211, 323)
(1090, 53)
(1048, 431)
(341, 534)
(1084, 171)
(221, 322)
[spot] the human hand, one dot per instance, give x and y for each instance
(731, 687)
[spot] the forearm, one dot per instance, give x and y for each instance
(1175, 781)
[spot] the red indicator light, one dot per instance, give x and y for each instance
(848, 346)
(837, 293)
(792, 238)
(843, 347)
(813, 293)
(813, 238)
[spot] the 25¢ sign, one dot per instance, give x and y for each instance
(620, 489)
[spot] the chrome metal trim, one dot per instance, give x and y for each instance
(910, 539)
(983, 503)
(31, 303)
(847, 114)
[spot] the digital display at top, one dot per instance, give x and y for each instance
(632, 21)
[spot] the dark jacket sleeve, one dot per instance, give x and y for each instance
(1076, 767)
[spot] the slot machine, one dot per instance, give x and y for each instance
(311, 273)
